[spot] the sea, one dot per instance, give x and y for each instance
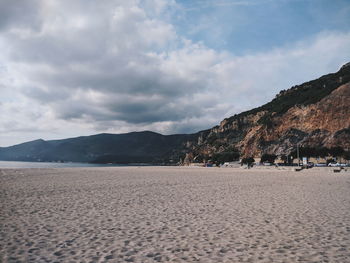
(13, 164)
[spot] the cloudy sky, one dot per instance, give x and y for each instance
(80, 67)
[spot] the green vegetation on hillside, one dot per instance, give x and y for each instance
(220, 158)
(322, 152)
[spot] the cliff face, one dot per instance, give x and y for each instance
(314, 114)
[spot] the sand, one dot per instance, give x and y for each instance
(174, 214)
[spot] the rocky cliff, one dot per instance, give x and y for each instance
(314, 114)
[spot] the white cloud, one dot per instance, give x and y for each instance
(79, 68)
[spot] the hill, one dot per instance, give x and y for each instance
(135, 147)
(314, 114)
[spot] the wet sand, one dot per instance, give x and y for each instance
(173, 214)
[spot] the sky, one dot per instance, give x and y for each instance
(79, 67)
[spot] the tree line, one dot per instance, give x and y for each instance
(317, 152)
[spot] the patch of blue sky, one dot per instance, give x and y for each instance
(249, 26)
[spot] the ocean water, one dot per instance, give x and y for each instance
(12, 164)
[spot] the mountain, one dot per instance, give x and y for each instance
(135, 147)
(314, 114)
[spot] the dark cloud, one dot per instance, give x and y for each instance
(20, 14)
(108, 69)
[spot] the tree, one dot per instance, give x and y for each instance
(248, 160)
(268, 158)
(287, 159)
(307, 152)
(346, 155)
(322, 152)
(336, 151)
(220, 158)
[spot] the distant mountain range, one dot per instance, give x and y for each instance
(134, 147)
(314, 114)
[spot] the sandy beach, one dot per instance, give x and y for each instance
(174, 214)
